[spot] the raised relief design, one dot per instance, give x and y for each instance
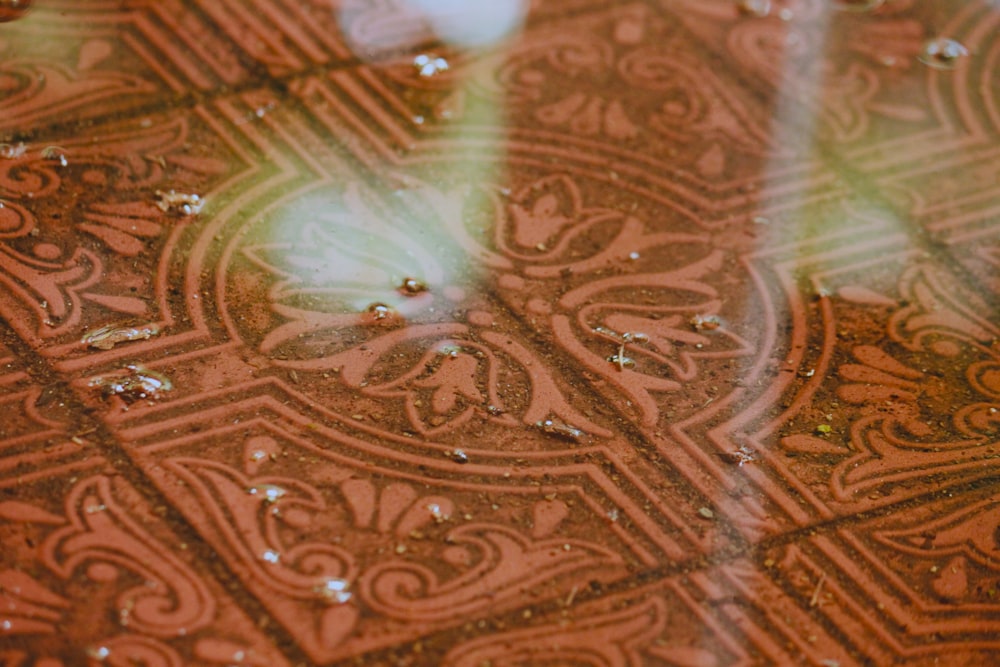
(27, 607)
(963, 548)
(348, 308)
(847, 91)
(633, 82)
(47, 262)
(32, 90)
(103, 541)
(628, 638)
(915, 417)
(341, 305)
(98, 544)
(313, 548)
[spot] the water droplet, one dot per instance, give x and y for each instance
(633, 256)
(437, 513)
(705, 322)
(335, 590)
(758, 8)
(6, 625)
(857, 5)
(942, 53)
(270, 556)
(621, 361)
(270, 492)
(11, 10)
(429, 65)
(412, 287)
(99, 653)
(380, 311)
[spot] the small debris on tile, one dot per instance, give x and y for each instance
(132, 383)
(179, 202)
(380, 311)
(706, 513)
(334, 591)
(706, 322)
(56, 154)
(105, 338)
(13, 151)
(825, 429)
(458, 456)
(739, 456)
(814, 600)
(625, 339)
(560, 429)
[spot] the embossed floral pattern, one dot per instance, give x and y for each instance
(652, 332)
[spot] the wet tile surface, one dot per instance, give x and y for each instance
(628, 333)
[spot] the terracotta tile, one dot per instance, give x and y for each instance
(906, 586)
(613, 89)
(68, 62)
(85, 226)
(622, 340)
(712, 617)
(39, 432)
(904, 360)
(287, 37)
(90, 573)
(854, 75)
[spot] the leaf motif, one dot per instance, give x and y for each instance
(13, 510)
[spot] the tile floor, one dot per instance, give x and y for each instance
(414, 332)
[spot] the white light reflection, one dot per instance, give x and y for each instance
(471, 24)
(397, 24)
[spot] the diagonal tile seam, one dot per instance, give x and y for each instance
(854, 177)
(259, 79)
(108, 447)
(631, 433)
(645, 580)
(41, 372)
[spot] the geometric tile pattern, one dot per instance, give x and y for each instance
(654, 333)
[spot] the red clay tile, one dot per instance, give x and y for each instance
(655, 333)
(67, 63)
(91, 574)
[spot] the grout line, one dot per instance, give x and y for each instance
(205, 562)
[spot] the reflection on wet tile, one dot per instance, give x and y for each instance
(422, 333)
